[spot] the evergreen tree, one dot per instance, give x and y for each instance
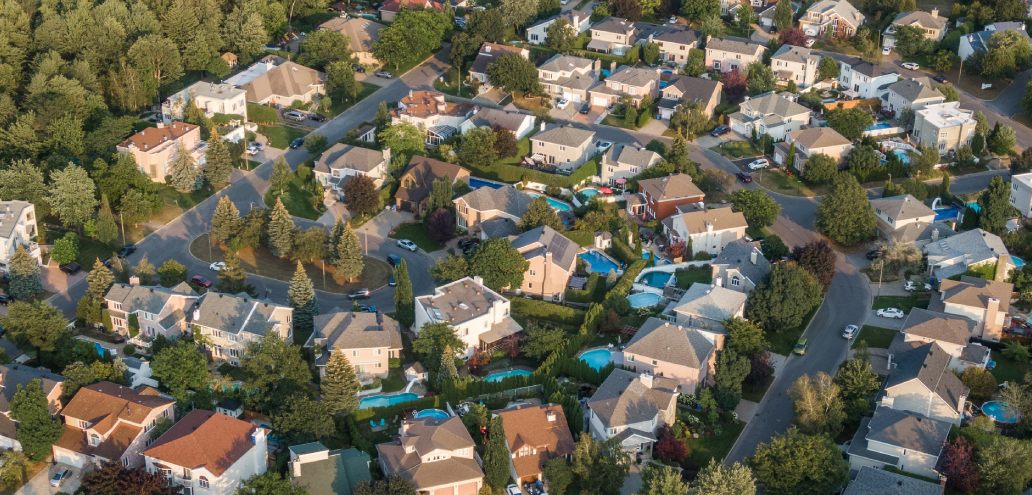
(301, 294)
(218, 161)
(783, 16)
(333, 240)
(496, 456)
(99, 280)
(996, 208)
(23, 271)
(37, 429)
(349, 262)
(182, 171)
(171, 273)
(145, 271)
(225, 221)
(404, 304)
(280, 230)
(340, 385)
(232, 278)
(844, 214)
(280, 176)
(106, 228)
(446, 372)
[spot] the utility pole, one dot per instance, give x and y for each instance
(121, 221)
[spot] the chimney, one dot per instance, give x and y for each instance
(596, 65)
(161, 124)
(478, 279)
(646, 379)
(935, 235)
(709, 227)
(196, 314)
(719, 282)
(753, 256)
(612, 67)
(550, 416)
(935, 12)
(989, 328)
(541, 127)
(134, 280)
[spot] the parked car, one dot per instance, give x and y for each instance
(359, 294)
(850, 332)
(513, 490)
(910, 286)
(217, 266)
(297, 143)
(585, 108)
(5, 298)
(886, 50)
(384, 74)
(407, 244)
(672, 19)
(71, 268)
(875, 254)
(759, 164)
(800, 346)
(393, 259)
(126, 250)
(720, 130)
(809, 42)
(295, 115)
(358, 68)
(59, 477)
(601, 146)
(392, 282)
(562, 103)
(939, 78)
(744, 177)
(910, 65)
(318, 117)
(254, 147)
(890, 313)
(201, 281)
(365, 308)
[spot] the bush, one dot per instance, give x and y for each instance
(590, 292)
(541, 310)
(129, 350)
(623, 286)
(262, 114)
(624, 252)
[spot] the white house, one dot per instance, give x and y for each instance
(914, 93)
(985, 302)
(795, 64)
(631, 407)
(896, 212)
(706, 307)
(18, 229)
(944, 126)
(210, 98)
(921, 381)
(343, 161)
(774, 114)
(907, 441)
(578, 23)
(1021, 193)
(953, 256)
(480, 316)
(708, 229)
(862, 79)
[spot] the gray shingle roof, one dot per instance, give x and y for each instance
(10, 212)
(737, 254)
(872, 481)
(625, 399)
(353, 330)
(913, 90)
(734, 45)
(774, 104)
(505, 119)
(671, 343)
(938, 326)
(908, 430)
(149, 299)
(236, 313)
(974, 246)
(566, 136)
(506, 198)
(633, 155)
(816, 138)
(635, 76)
(545, 239)
(930, 365)
(904, 207)
(921, 18)
(346, 156)
(792, 53)
(423, 437)
(696, 89)
(613, 25)
(710, 302)
(14, 375)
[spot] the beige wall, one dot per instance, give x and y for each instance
(544, 278)
(944, 139)
(913, 396)
(155, 161)
(689, 378)
(988, 322)
(727, 60)
(133, 452)
(225, 346)
(369, 362)
(804, 74)
(559, 154)
(469, 218)
(674, 52)
(619, 39)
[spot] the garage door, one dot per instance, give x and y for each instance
(64, 456)
(575, 98)
(599, 101)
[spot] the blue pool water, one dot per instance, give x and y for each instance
(947, 213)
(1000, 412)
(588, 193)
(432, 413)
(386, 400)
(498, 376)
(656, 279)
(903, 156)
(644, 300)
(975, 207)
(597, 263)
(879, 125)
(475, 183)
(659, 261)
(597, 358)
(555, 203)
(1018, 262)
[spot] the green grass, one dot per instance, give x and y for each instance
(417, 233)
(875, 337)
(905, 303)
(395, 381)
(296, 198)
(364, 90)
(280, 135)
(450, 87)
(618, 121)
(706, 448)
(583, 238)
(89, 249)
(688, 276)
(736, 149)
(508, 170)
(783, 183)
(1008, 370)
(986, 271)
(782, 342)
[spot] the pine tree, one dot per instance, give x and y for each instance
(280, 176)
(23, 270)
(218, 162)
(280, 230)
(145, 271)
(340, 385)
(99, 280)
(496, 456)
(404, 304)
(446, 371)
(37, 430)
(349, 262)
(301, 294)
(232, 278)
(183, 171)
(334, 240)
(107, 229)
(225, 221)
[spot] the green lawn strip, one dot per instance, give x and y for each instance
(875, 337)
(417, 233)
(736, 149)
(296, 198)
(688, 276)
(785, 184)
(280, 135)
(395, 381)
(364, 90)
(583, 238)
(1009, 370)
(782, 342)
(905, 303)
(705, 448)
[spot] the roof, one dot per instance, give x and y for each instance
(337, 474)
(626, 398)
(663, 341)
(506, 198)
(346, 156)
(908, 430)
(398, 5)
(461, 300)
(567, 63)
(112, 410)
(976, 292)
(845, 10)
(362, 33)
(566, 136)
(354, 330)
(153, 137)
(792, 53)
(634, 76)
(490, 52)
(701, 220)
(974, 246)
(286, 80)
(204, 439)
(711, 302)
(738, 254)
(913, 90)
(696, 89)
(773, 104)
(867, 68)
(11, 210)
(815, 138)
(614, 25)
(499, 118)
(418, 179)
(921, 18)
(544, 240)
(921, 231)
(873, 481)
(422, 104)
(979, 41)
(146, 298)
(735, 45)
(903, 207)
(13, 376)
(930, 365)
(423, 436)
(236, 313)
(633, 155)
(541, 427)
(682, 36)
(939, 326)
(670, 187)
(212, 90)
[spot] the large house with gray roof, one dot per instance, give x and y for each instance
(369, 341)
(612, 35)
(774, 114)
(669, 350)
(740, 266)
(18, 229)
(569, 77)
(631, 407)
(229, 322)
(985, 302)
(931, 24)
(895, 212)
(877, 481)
(634, 83)
(914, 93)
(795, 64)
(13, 376)
(862, 79)
(810, 141)
(518, 123)
(322, 471)
(728, 54)
(707, 230)
(955, 254)
(491, 212)
(901, 439)
(437, 456)
(837, 18)
(624, 161)
(480, 316)
(706, 307)
(921, 381)
(951, 332)
(489, 53)
(341, 162)
(149, 311)
(705, 93)
(551, 258)
(978, 42)
(563, 146)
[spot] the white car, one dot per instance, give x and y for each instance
(217, 266)
(602, 145)
(910, 286)
(886, 50)
(850, 332)
(910, 65)
(758, 164)
(809, 42)
(562, 103)
(672, 19)
(407, 244)
(513, 490)
(890, 313)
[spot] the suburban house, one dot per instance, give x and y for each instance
(437, 456)
(728, 54)
(706, 307)
(877, 481)
(921, 381)
(322, 471)
(569, 77)
(106, 422)
(706, 229)
(689, 90)
(612, 35)
(210, 98)
(390, 9)
(1020, 196)
(944, 126)
(368, 340)
(675, 44)
(564, 146)
(15, 376)
(417, 181)
(150, 310)
(138, 372)
(954, 255)
(907, 441)
(489, 52)
(479, 315)
(951, 332)
(518, 123)
(154, 148)
(429, 111)
(765, 11)
(986, 302)
(534, 435)
(630, 407)
(286, 83)
(862, 79)
(361, 33)
(978, 42)
(930, 23)
(669, 350)
(208, 452)
(632, 82)
(740, 266)
(915, 94)
(795, 64)
(660, 197)
(624, 161)
(496, 210)
(229, 322)
(537, 34)
(263, 65)
(230, 407)
(896, 212)
(18, 229)
(811, 141)
(338, 164)
(836, 18)
(774, 114)
(553, 260)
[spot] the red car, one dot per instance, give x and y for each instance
(201, 281)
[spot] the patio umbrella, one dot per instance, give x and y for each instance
(605, 190)
(621, 181)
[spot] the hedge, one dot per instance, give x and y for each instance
(624, 252)
(462, 389)
(575, 368)
(514, 173)
(541, 310)
(623, 286)
(262, 114)
(590, 292)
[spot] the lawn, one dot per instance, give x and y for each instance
(905, 303)
(875, 337)
(417, 233)
(703, 449)
(395, 381)
(174, 203)
(615, 118)
(1008, 370)
(89, 249)
(449, 85)
(986, 271)
(365, 89)
(509, 170)
(783, 183)
(737, 149)
(281, 135)
(688, 276)
(297, 199)
(782, 342)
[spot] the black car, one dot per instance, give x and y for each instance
(585, 108)
(126, 250)
(317, 117)
(71, 268)
(297, 143)
(744, 177)
(5, 298)
(359, 294)
(939, 78)
(392, 282)
(359, 68)
(720, 131)
(875, 254)
(393, 259)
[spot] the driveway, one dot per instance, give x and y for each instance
(40, 484)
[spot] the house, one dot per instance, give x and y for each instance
(361, 33)
(1021, 193)
(632, 82)
(263, 65)
(138, 372)
(568, 147)
(930, 23)
(106, 422)
(368, 340)
(907, 441)
(500, 209)
(836, 18)
(765, 11)
(612, 35)
(230, 58)
(728, 54)
(390, 9)
(417, 181)
(286, 83)
(689, 90)
(415, 372)
(14, 377)
(12, 352)
(915, 94)
(230, 322)
(488, 54)
(437, 456)
(675, 44)
(951, 332)
(630, 407)
(706, 229)
(569, 77)
(795, 64)
(859, 78)
(986, 302)
(518, 123)
(669, 350)
(552, 258)
(211, 98)
(429, 111)
(343, 161)
(230, 407)
(150, 311)
(944, 126)
(322, 471)
(18, 229)
(954, 255)
(729, 7)
(154, 148)
(706, 307)
(577, 22)
(877, 481)
(208, 452)
(920, 381)
(534, 435)
(624, 161)
(740, 266)
(774, 114)
(896, 212)
(660, 197)
(978, 42)
(811, 141)
(479, 315)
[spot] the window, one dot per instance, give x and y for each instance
(94, 439)
(83, 424)
(202, 482)
(735, 281)
(186, 474)
(125, 461)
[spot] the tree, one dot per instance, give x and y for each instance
(72, 195)
(539, 213)
(760, 210)
(783, 16)
(690, 120)
(183, 172)
(828, 68)
(1004, 464)
(323, 47)
(22, 180)
(818, 258)
(36, 323)
(225, 221)
(1002, 140)
(817, 404)
(403, 302)
(781, 301)
(272, 483)
(412, 35)
(797, 463)
(24, 273)
(669, 447)
(99, 280)
(280, 230)
(600, 467)
(349, 262)
(744, 337)
(542, 340)
(393, 485)
(14, 466)
(560, 36)
(496, 455)
(996, 208)
(145, 271)
(793, 36)
(819, 168)
(477, 148)
(911, 41)
(851, 122)
(79, 374)
(280, 177)
(275, 370)
(111, 478)
(1005, 53)
(700, 9)
(301, 295)
(360, 195)
(449, 269)
(514, 74)
(170, 273)
(500, 264)
(232, 279)
(661, 480)
(218, 161)
(557, 472)
(440, 225)
(340, 81)
(857, 384)
(106, 230)
(715, 479)
(844, 214)
(340, 384)
(981, 382)
(731, 370)
(942, 60)
(404, 139)
(774, 248)
(65, 248)
(517, 12)
(759, 78)
(182, 369)
(958, 464)
(37, 429)
(735, 84)
(436, 343)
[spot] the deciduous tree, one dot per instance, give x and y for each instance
(340, 81)
(360, 195)
(500, 265)
(760, 209)
(182, 369)
(170, 273)
(818, 406)
(600, 467)
(449, 269)
(958, 464)
(23, 271)
(275, 370)
(303, 419)
(661, 480)
(818, 258)
(539, 213)
(272, 483)
(716, 479)
(784, 299)
(477, 149)
(759, 78)
(37, 429)
(844, 214)
(828, 68)
(819, 168)
(322, 47)
(72, 195)
(797, 463)
(560, 36)
(783, 16)
(36, 323)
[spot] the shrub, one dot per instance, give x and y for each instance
(542, 310)
(261, 114)
(129, 350)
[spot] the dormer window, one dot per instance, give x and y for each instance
(94, 439)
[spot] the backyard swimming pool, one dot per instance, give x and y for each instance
(1018, 262)
(1000, 412)
(655, 279)
(597, 358)
(588, 192)
(947, 213)
(432, 413)
(475, 183)
(598, 263)
(879, 125)
(498, 376)
(644, 300)
(554, 203)
(381, 400)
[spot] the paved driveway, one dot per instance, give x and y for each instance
(40, 484)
